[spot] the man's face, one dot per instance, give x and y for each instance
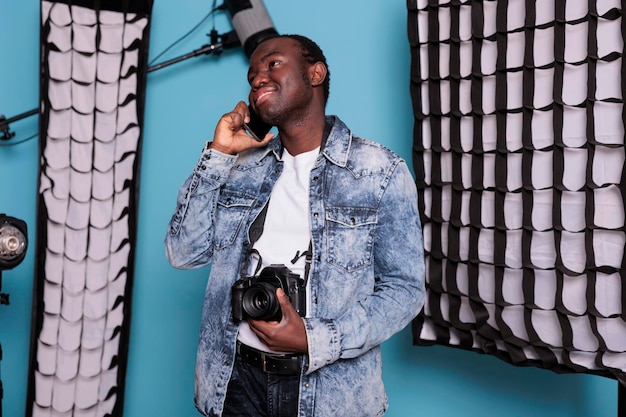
(280, 88)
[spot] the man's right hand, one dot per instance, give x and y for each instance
(230, 137)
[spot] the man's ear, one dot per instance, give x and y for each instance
(318, 73)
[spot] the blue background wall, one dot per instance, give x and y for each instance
(367, 49)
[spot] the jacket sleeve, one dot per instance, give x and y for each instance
(398, 291)
(189, 237)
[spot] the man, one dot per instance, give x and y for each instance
(338, 211)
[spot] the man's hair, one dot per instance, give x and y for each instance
(311, 53)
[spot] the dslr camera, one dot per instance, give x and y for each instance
(255, 297)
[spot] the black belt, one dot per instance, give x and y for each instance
(271, 363)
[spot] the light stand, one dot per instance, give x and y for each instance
(4, 123)
(13, 244)
(216, 47)
(4, 300)
(1, 387)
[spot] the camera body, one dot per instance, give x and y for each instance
(255, 297)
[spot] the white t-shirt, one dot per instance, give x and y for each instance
(287, 228)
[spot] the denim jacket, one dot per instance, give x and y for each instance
(367, 276)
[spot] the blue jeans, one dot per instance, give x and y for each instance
(254, 393)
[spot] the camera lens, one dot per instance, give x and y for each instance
(260, 302)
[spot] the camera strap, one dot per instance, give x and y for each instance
(256, 230)
(307, 260)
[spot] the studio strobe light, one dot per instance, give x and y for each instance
(251, 21)
(13, 242)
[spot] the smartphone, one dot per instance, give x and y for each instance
(256, 127)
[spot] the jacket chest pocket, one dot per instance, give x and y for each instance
(350, 234)
(233, 209)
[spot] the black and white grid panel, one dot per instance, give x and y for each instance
(519, 157)
(92, 92)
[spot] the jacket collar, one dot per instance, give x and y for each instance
(336, 147)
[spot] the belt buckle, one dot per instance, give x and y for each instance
(264, 366)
